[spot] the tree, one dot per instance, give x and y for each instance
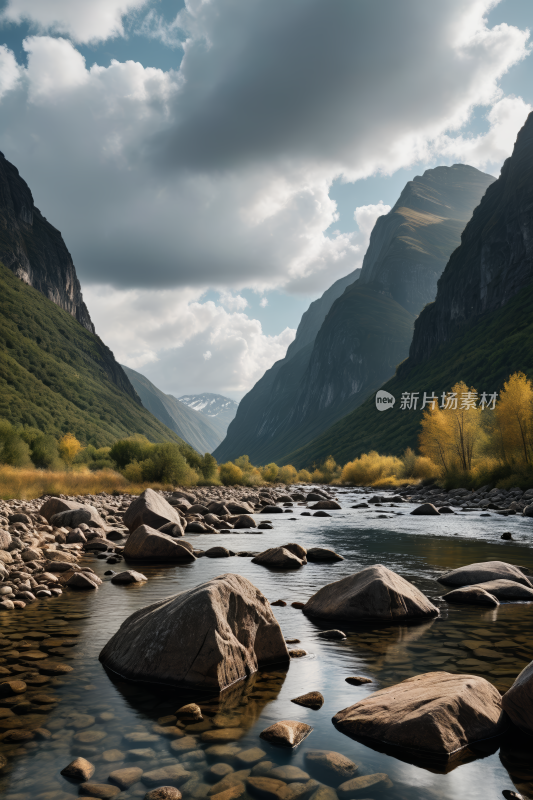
(451, 436)
(514, 419)
(209, 467)
(69, 447)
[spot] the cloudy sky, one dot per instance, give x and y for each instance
(214, 165)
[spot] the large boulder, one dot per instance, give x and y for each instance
(517, 702)
(482, 572)
(279, 558)
(328, 505)
(506, 590)
(472, 595)
(147, 544)
(436, 713)
(374, 593)
(150, 508)
(70, 513)
(207, 637)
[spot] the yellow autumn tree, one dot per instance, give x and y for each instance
(514, 419)
(452, 433)
(69, 447)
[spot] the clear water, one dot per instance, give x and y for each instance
(418, 548)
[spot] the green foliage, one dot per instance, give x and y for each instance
(13, 450)
(55, 374)
(209, 467)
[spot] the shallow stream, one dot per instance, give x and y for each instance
(88, 714)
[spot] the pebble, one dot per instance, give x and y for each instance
(163, 793)
(124, 778)
(79, 770)
(354, 787)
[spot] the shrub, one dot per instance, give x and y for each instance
(287, 474)
(370, 468)
(304, 476)
(270, 473)
(230, 474)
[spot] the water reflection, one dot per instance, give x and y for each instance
(87, 713)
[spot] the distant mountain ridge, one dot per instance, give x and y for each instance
(34, 250)
(479, 329)
(195, 428)
(367, 328)
(220, 410)
(268, 400)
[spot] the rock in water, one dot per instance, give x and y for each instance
(506, 590)
(374, 593)
(482, 572)
(436, 713)
(473, 595)
(318, 554)
(425, 510)
(517, 702)
(147, 544)
(150, 508)
(206, 637)
(278, 557)
(313, 700)
(331, 766)
(286, 733)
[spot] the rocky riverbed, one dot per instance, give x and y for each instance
(67, 707)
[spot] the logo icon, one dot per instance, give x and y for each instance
(384, 400)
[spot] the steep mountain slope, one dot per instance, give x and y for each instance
(190, 425)
(58, 376)
(219, 409)
(33, 249)
(368, 328)
(478, 330)
(273, 394)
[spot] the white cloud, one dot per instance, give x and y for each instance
(505, 118)
(218, 174)
(366, 216)
(232, 302)
(83, 20)
(264, 302)
(9, 71)
(183, 345)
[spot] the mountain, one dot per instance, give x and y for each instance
(220, 410)
(33, 249)
(195, 428)
(58, 376)
(479, 328)
(267, 402)
(368, 327)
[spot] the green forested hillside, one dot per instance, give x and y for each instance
(484, 356)
(54, 373)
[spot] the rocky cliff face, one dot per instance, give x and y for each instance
(494, 261)
(409, 246)
(367, 328)
(33, 249)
